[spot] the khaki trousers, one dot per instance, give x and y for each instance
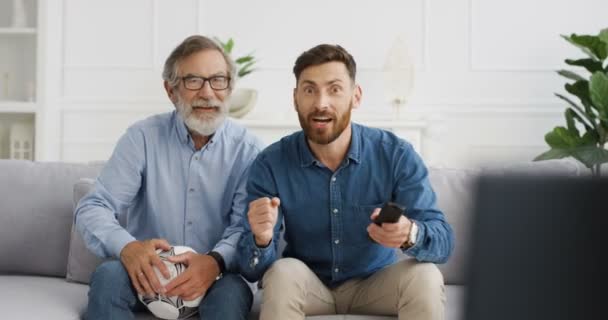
(409, 289)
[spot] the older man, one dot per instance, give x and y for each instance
(325, 184)
(176, 179)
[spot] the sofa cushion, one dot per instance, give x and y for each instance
(32, 297)
(81, 262)
(36, 215)
(29, 297)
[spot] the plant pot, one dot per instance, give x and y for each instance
(242, 101)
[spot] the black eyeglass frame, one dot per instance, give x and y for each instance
(205, 79)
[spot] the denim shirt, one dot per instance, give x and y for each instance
(325, 214)
(159, 186)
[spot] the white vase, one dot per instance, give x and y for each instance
(19, 14)
(398, 72)
(242, 102)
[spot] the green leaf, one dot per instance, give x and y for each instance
(570, 75)
(581, 90)
(247, 65)
(589, 64)
(591, 45)
(604, 36)
(244, 59)
(561, 138)
(553, 154)
(590, 156)
(590, 138)
(243, 73)
(228, 46)
(570, 115)
(598, 90)
(588, 114)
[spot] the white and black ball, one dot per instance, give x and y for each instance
(173, 307)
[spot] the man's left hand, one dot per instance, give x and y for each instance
(391, 235)
(201, 272)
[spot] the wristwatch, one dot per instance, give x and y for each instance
(411, 241)
(220, 262)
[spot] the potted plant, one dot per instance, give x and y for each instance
(242, 100)
(586, 132)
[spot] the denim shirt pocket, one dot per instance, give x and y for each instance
(358, 221)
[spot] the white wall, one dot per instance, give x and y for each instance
(484, 68)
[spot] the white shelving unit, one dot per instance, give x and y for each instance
(19, 104)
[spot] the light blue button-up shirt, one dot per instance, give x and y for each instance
(159, 186)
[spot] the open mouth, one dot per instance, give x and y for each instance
(322, 119)
(321, 122)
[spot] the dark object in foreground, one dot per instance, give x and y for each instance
(537, 245)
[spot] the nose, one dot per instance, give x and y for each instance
(206, 91)
(322, 101)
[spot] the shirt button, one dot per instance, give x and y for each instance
(335, 210)
(189, 223)
(195, 158)
(337, 241)
(336, 270)
(333, 179)
(191, 189)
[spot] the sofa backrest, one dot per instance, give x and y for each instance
(36, 215)
(454, 190)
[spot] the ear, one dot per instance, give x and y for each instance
(357, 95)
(295, 103)
(170, 92)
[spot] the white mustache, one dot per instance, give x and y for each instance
(206, 104)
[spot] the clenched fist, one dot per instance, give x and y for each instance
(262, 216)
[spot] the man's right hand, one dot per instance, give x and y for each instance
(262, 216)
(138, 257)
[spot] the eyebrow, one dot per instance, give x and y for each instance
(334, 81)
(219, 73)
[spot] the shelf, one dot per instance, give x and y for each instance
(17, 107)
(18, 31)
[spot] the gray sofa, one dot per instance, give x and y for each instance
(44, 266)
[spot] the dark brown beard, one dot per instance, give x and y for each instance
(340, 125)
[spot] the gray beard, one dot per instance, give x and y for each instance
(203, 126)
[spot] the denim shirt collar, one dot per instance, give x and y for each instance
(354, 152)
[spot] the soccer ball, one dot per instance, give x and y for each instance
(173, 307)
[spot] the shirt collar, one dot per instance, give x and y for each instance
(354, 152)
(180, 125)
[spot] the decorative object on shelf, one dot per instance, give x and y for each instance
(21, 141)
(592, 91)
(242, 100)
(398, 74)
(19, 14)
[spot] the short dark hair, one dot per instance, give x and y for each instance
(191, 45)
(324, 53)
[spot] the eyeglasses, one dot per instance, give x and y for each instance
(196, 82)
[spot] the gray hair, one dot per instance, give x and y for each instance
(191, 45)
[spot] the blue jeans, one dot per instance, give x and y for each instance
(112, 297)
